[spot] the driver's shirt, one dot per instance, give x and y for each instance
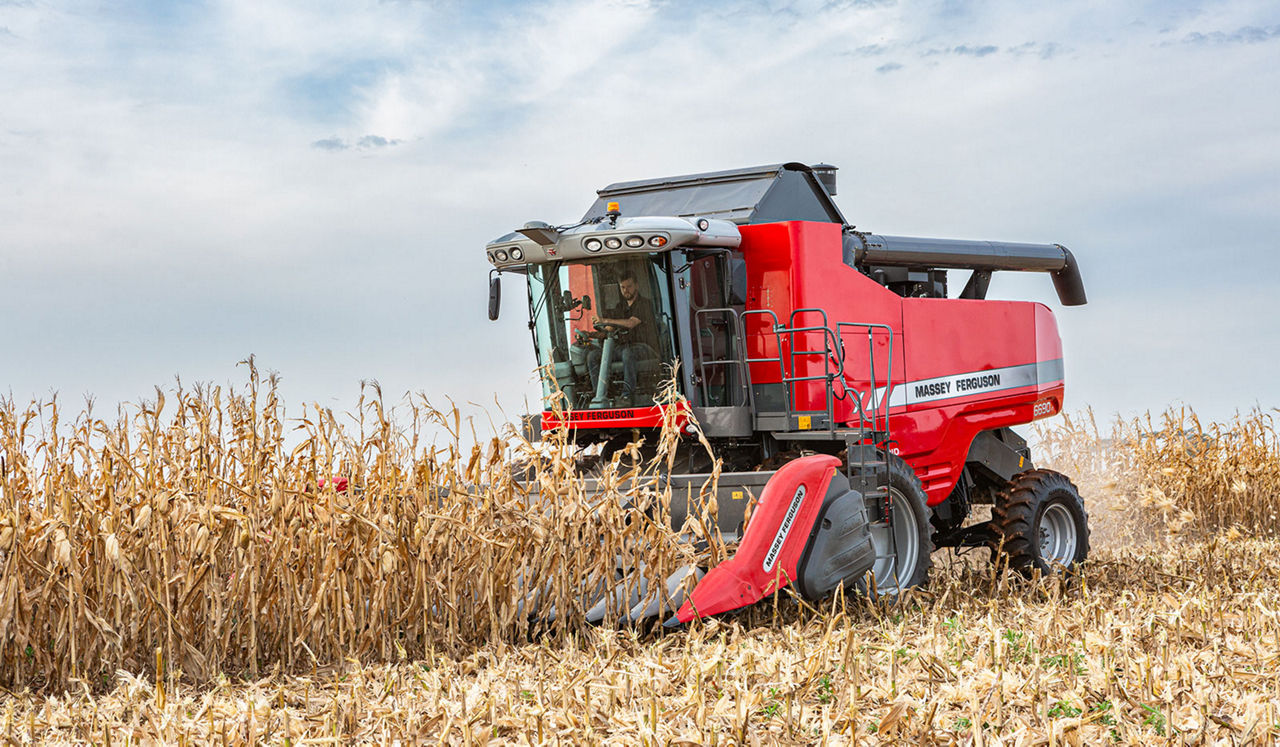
(641, 309)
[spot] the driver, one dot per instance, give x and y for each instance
(633, 316)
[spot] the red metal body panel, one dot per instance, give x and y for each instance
(767, 558)
(995, 343)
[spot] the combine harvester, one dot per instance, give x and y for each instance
(826, 366)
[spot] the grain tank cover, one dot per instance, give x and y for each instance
(760, 194)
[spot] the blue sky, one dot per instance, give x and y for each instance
(182, 185)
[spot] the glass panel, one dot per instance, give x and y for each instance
(714, 332)
(606, 320)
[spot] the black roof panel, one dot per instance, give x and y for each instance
(759, 194)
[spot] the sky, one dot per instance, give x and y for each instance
(183, 185)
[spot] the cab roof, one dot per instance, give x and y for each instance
(759, 194)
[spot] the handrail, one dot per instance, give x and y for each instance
(871, 361)
(777, 339)
(831, 352)
(738, 340)
(833, 363)
(837, 348)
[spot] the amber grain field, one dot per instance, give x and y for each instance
(201, 568)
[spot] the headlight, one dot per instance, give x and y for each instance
(658, 241)
(517, 253)
(635, 242)
(592, 245)
(703, 224)
(501, 254)
(613, 243)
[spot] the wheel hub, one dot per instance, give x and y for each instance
(1058, 535)
(897, 546)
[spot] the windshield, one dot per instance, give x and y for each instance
(603, 329)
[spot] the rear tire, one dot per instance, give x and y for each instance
(1040, 523)
(913, 531)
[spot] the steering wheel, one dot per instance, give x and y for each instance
(602, 327)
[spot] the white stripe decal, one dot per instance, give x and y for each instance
(771, 557)
(969, 384)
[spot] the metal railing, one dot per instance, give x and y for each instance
(829, 353)
(873, 394)
(782, 366)
(817, 348)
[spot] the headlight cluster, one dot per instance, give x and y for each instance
(592, 244)
(634, 241)
(513, 253)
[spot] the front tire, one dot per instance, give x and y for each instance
(1040, 523)
(909, 558)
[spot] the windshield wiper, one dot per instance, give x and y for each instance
(554, 270)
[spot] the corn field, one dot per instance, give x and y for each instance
(1174, 474)
(192, 527)
(201, 567)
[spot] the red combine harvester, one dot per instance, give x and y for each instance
(828, 367)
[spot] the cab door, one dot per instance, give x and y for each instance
(717, 369)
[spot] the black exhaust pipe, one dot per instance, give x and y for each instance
(980, 256)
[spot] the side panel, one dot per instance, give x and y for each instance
(825, 282)
(975, 365)
(767, 252)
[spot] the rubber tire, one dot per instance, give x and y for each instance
(908, 485)
(1015, 519)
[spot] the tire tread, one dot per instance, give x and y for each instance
(1013, 518)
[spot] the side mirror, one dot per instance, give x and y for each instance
(586, 303)
(495, 296)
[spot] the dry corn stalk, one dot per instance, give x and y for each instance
(193, 525)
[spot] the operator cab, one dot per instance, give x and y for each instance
(679, 238)
(615, 302)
